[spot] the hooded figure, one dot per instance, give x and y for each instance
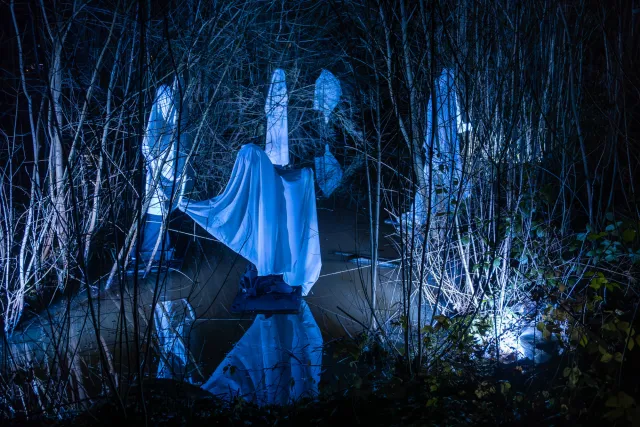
(443, 137)
(173, 319)
(277, 144)
(165, 148)
(327, 94)
(326, 98)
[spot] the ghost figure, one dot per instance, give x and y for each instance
(276, 362)
(446, 162)
(328, 172)
(327, 94)
(172, 319)
(164, 151)
(277, 144)
(157, 149)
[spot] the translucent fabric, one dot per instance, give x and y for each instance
(327, 94)
(172, 319)
(276, 362)
(277, 143)
(267, 215)
(165, 148)
(447, 162)
(328, 172)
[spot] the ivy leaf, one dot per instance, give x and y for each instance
(629, 235)
(606, 358)
(505, 387)
(623, 326)
(612, 402)
(584, 341)
(631, 344)
(624, 400)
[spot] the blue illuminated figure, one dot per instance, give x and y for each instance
(165, 149)
(172, 319)
(277, 361)
(447, 173)
(326, 98)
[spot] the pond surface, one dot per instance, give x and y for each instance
(197, 343)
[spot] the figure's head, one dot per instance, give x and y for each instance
(164, 101)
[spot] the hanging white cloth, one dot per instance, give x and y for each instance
(277, 361)
(277, 144)
(447, 162)
(267, 215)
(172, 319)
(328, 172)
(162, 148)
(326, 97)
(327, 94)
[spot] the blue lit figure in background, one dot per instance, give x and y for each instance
(326, 97)
(443, 136)
(277, 142)
(165, 149)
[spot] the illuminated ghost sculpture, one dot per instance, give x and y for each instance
(277, 143)
(327, 96)
(165, 148)
(277, 361)
(442, 135)
(172, 319)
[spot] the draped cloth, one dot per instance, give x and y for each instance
(165, 148)
(327, 94)
(277, 143)
(326, 97)
(447, 160)
(276, 362)
(267, 215)
(172, 319)
(328, 172)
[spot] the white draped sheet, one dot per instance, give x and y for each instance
(172, 319)
(268, 216)
(327, 94)
(447, 158)
(326, 98)
(277, 143)
(276, 362)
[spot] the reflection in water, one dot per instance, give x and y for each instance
(172, 321)
(277, 361)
